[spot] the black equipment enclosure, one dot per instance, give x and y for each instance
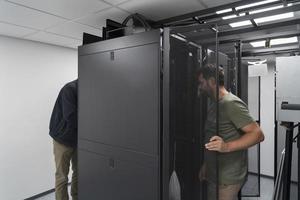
(118, 155)
(88, 38)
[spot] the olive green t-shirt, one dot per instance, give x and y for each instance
(233, 115)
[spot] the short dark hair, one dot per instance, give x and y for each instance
(209, 71)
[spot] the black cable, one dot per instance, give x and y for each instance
(138, 17)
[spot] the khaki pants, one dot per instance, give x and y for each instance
(65, 155)
(229, 192)
(226, 192)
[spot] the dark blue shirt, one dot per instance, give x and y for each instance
(63, 123)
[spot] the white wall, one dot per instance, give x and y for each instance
(267, 116)
(267, 111)
(31, 75)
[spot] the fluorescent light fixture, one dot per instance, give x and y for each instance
(265, 9)
(178, 37)
(242, 23)
(229, 17)
(255, 4)
(181, 35)
(273, 42)
(214, 29)
(258, 43)
(284, 41)
(274, 17)
(268, 9)
(209, 51)
(233, 16)
(224, 11)
(257, 62)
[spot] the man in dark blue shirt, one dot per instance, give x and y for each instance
(63, 130)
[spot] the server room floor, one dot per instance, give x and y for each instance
(266, 190)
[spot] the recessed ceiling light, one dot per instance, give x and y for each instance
(284, 40)
(242, 23)
(233, 16)
(274, 17)
(258, 43)
(255, 4)
(224, 11)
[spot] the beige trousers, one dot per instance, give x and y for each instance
(65, 155)
(226, 192)
(229, 192)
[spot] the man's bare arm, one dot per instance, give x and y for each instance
(252, 135)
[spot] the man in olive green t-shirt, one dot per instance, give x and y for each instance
(237, 132)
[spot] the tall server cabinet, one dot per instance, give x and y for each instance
(119, 115)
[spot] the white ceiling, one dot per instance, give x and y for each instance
(62, 22)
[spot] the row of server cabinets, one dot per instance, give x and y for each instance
(141, 118)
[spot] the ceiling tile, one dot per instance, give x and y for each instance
(53, 39)
(115, 2)
(214, 3)
(26, 17)
(14, 31)
(74, 30)
(98, 19)
(160, 9)
(74, 45)
(70, 9)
